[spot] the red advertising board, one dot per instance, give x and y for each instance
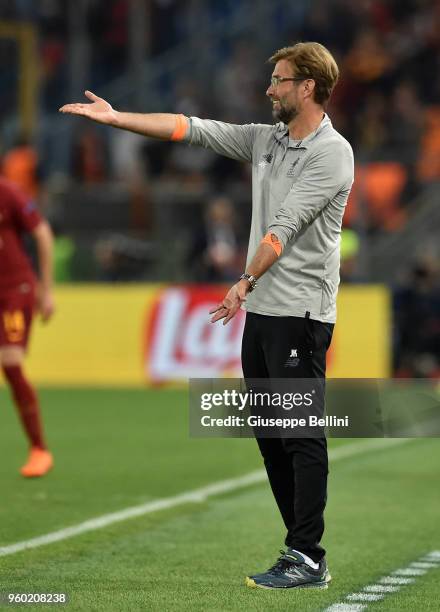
(182, 343)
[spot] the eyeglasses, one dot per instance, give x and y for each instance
(276, 80)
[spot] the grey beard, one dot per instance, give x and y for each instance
(284, 114)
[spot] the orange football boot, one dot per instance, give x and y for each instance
(39, 462)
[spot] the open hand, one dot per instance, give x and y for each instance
(99, 110)
(232, 301)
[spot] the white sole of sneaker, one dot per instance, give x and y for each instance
(249, 582)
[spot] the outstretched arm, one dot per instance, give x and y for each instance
(165, 126)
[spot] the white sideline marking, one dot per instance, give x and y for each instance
(381, 588)
(408, 571)
(343, 607)
(395, 580)
(364, 597)
(195, 496)
(435, 554)
(390, 584)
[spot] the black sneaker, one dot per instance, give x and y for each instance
(291, 571)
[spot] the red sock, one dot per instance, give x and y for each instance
(26, 401)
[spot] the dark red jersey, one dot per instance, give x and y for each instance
(18, 215)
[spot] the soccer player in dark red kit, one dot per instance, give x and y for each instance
(20, 295)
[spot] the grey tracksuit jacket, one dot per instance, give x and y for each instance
(299, 193)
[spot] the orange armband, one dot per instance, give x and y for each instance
(180, 128)
(272, 240)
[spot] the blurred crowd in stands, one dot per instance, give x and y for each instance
(387, 105)
(416, 306)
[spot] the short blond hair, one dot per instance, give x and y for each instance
(311, 60)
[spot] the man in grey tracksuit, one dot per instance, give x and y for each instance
(302, 175)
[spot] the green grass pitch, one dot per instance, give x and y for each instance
(118, 448)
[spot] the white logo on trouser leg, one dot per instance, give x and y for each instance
(293, 359)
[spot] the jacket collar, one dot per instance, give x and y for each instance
(282, 134)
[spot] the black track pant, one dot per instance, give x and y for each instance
(297, 467)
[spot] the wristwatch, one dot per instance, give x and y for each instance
(251, 280)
